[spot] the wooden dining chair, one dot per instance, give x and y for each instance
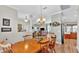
(52, 44)
(45, 49)
(1, 41)
(7, 49)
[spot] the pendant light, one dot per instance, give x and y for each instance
(26, 19)
(41, 19)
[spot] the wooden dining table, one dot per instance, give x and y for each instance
(26, 46)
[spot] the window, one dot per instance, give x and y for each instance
(69, 29)
(74, 28)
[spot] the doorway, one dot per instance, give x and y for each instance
(70, 36)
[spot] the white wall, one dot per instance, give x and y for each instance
(13, 36)
(78, 37)
(57, 29)
(78, 30)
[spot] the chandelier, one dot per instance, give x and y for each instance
(41, 19)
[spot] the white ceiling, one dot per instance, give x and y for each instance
(36, 9)
(47, 10)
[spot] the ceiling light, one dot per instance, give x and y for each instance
(26, 20)
(42, 19)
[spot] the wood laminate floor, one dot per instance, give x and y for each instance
(69, 46)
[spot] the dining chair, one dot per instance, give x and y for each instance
(6, 48)
(52, 44)
(1, 41)
(49, 48)
(45, 49)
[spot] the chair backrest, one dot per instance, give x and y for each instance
(45, 49)
(6, 47)
(52, 42)
(1, 41)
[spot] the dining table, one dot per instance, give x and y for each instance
(26, 46)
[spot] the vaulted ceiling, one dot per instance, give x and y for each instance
(68, 12)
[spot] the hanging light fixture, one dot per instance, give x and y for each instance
(41, 19)
(26, 19)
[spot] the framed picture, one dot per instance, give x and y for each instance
(6, 22)
(19, 27)
(6, 29)
(55, 23)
